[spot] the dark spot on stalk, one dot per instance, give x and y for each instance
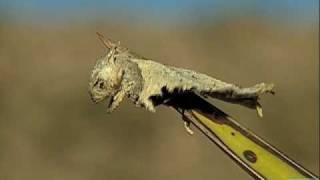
(250, 156)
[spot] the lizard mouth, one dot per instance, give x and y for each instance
(97, 99)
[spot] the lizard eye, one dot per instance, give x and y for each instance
(101, 85)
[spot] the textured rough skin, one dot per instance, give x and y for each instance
(115, 76)
(123, 74)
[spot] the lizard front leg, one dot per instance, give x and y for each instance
(116, 100)
(119, 95)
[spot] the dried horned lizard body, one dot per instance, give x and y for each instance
(122, 73)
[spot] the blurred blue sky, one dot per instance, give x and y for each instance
(161, 10)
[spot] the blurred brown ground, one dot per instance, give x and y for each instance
(49, 129)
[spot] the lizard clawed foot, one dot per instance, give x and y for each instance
(187, 127)
(187, 124)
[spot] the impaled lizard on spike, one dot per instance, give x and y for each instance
(121, 73)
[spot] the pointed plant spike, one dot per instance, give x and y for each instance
(106, 42)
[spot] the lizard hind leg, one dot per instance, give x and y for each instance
(259, 110)
(187, 124)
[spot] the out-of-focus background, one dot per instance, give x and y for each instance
(49, 129)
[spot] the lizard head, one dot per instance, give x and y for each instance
(105, 78)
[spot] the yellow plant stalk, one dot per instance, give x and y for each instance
(254, 155)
